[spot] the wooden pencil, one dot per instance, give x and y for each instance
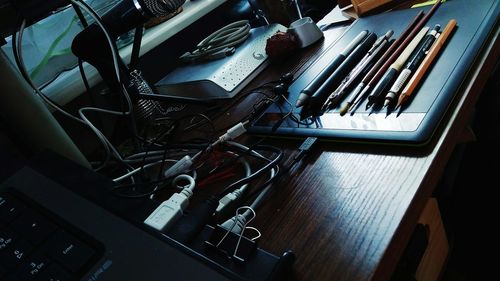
(423, 68)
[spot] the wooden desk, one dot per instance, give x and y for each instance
(347, 211)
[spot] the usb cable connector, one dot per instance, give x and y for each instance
(169, 211)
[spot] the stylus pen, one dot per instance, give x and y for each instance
(400, 47)
(360, 90)
(391, 73)
(313, 107)
(371, 61)
(309, 90)
(424, 67)
(411, 65)
(339, 93)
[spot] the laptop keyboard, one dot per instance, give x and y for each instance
(35, 246)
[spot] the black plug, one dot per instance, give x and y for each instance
(284, 82)
(280, 89)
(190, 225)
(286, 79)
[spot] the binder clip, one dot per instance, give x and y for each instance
(232, 245)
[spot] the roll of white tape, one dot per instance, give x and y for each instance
(306, 31)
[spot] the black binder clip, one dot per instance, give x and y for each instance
(230, 244)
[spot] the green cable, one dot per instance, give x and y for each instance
(50, 52)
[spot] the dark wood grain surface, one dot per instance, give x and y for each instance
(348, 210)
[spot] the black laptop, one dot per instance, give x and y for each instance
(48, 232)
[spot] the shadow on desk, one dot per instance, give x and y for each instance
(470, 207)
(467, 201)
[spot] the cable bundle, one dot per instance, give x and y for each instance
(220, 43)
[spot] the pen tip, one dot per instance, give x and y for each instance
(301, 100)
(325, 107)
(344, 109)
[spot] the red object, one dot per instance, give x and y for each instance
(281, 45)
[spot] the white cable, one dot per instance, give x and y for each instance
(246, 148)
(147, 159)
(114, 52)
(146, 156)
(273, 172)
(220, 43)
(266, 190)
(187, 161)
(84, 6)
(104, 141)
(83, 120)
(115, 56)
(233, 132)
(135, 171)
(238, 223)
(256, 202)
(140, 155)
(170, 210)
(181, 166)
(191, 183)
(26, 75)
(238, 193)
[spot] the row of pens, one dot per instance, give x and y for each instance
(384, 71)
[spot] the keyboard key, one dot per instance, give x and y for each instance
(33, 266)
(9, 209)
(15, 254)
(68, 251)
(33, 227)
(53, 273)
(6, 239)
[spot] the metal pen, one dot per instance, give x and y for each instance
(400, 47)
(362, 90)
(393, 70)
(369, 64)
(425, 65)
(339, 93)
(416, 58)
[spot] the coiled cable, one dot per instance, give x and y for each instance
(219, 44)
